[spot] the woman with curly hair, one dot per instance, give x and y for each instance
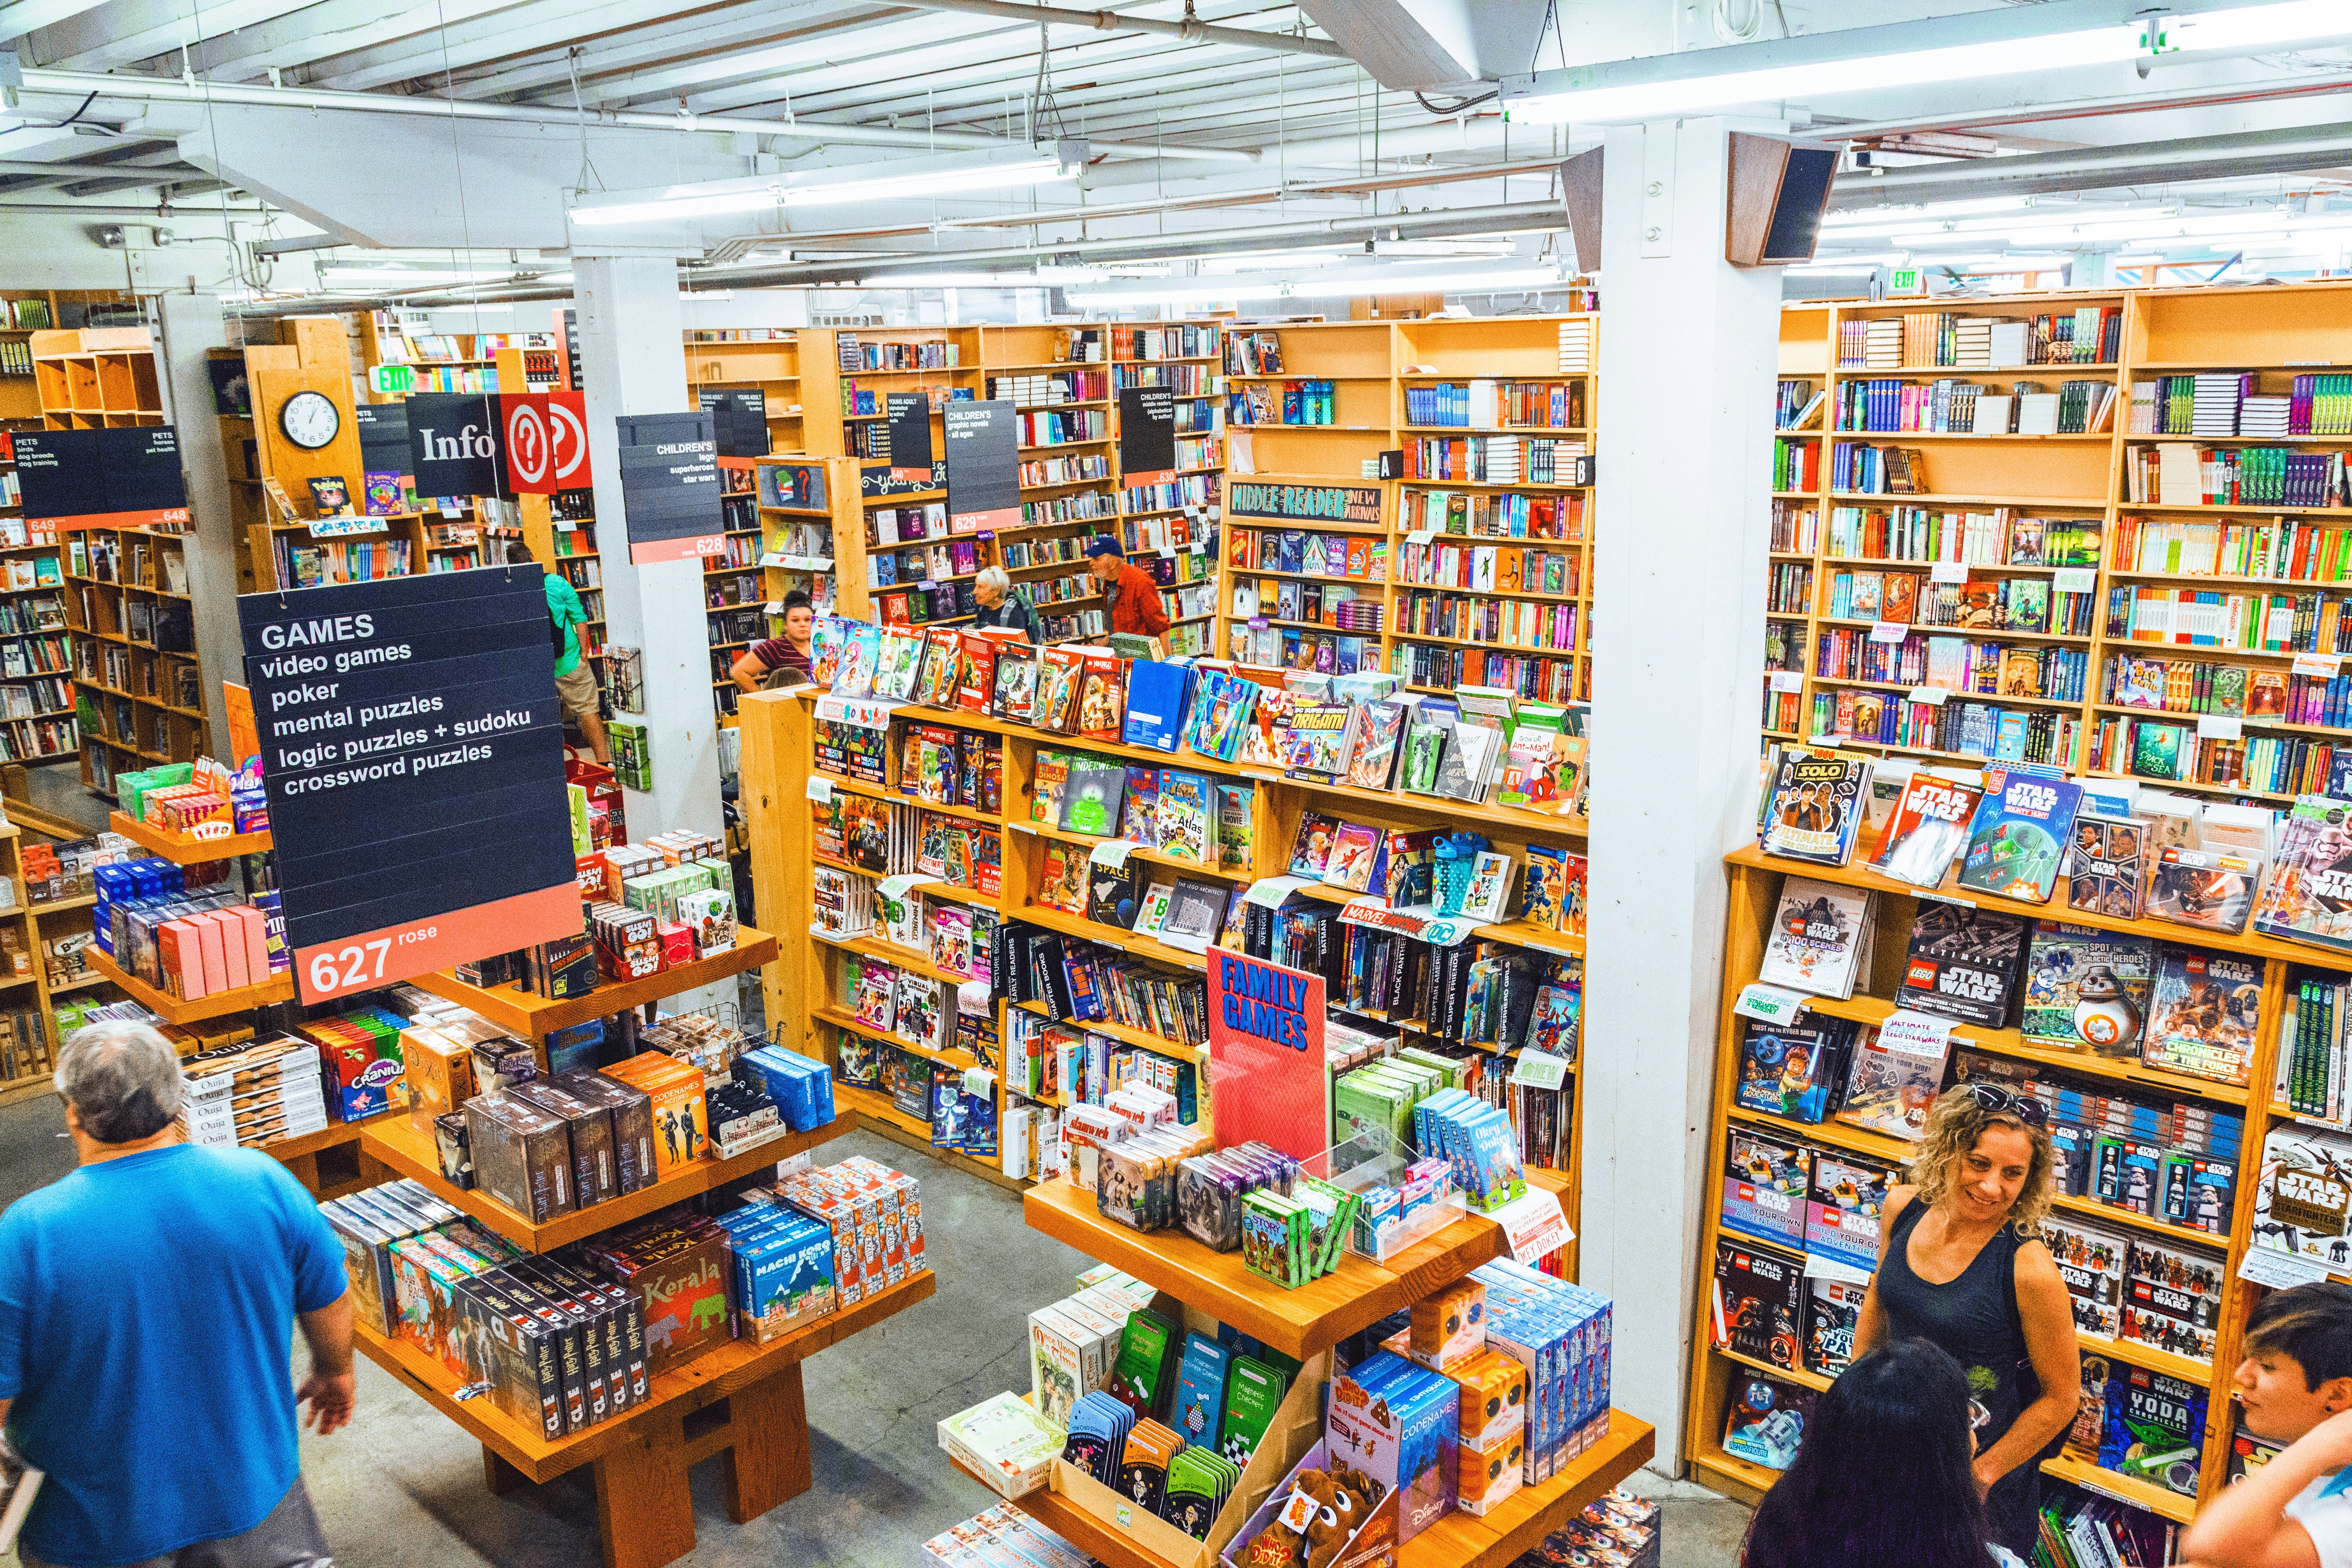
(1961, 1264)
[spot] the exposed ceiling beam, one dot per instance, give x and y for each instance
(59, 174)
(2294, 149)
(1190, 30)
(22, 17)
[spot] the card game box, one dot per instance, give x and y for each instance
(523, 1156)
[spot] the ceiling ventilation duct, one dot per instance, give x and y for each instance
(1421, 46)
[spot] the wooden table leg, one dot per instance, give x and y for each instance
(499, 1476)
(769, 1461)
(643, 1505)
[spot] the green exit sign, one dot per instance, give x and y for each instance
(391, 378)
(1906, 281)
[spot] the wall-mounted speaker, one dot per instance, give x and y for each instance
(1579, 185)
(1779, 191)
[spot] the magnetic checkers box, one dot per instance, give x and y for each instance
(681, 1124)
(1764, 1186)
(632, 1113)
(590, 1127)
(523, 1156)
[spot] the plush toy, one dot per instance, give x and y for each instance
(1333, 1522)
(1368, 1491)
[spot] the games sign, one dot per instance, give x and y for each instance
(412, 751)
(1267, 1078)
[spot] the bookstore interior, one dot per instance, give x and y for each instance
(1452, 763)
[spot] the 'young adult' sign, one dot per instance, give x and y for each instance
(412, 749)
(1266, 1073)
(910, 435)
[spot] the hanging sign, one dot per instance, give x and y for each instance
(1268, 1078)
(983, 455)
(910, 431)
(739, 420)
(453, 444)
(1147, 435)
(546, 445)
(669, 487)
(101, 478)
(412, 751)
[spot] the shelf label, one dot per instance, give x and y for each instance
(1786, 679)
(1113, 853)
(2074, 579)
(565, 525)
(1945, 898)
(794, 1164)
(1770, 1003)
(1421, 536)
(865, 712)
(1916, 1033)
(773, 559)
(1533, 1224)
(2220, 726)
(896, 888)
(1949, 571)
(775, 607)
(979, 1083)
(1541, 1068)
(1934, 696)
(2280, 1270)
(1820, 1267)
(820, 789)
(1268, 891)
(929, 586)
(2324, 665)
(1420, 924)
(1890, 631)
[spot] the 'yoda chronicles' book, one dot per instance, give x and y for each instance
(2155, 1428)
(2017, 840)
(1963, 963)
(2204, 1015)
(1817, 937)
(1816, 807)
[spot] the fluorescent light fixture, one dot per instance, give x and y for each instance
(1932, 212)
(1335, 283)
(891, 180)
(2063, 35)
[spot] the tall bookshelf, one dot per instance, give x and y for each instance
(1058, 379)
(808, 990)
(1166, 523)
(1472, 566)
(765, 360)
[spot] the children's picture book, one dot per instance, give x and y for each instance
(900, 662)
(1266, 736)
(1792, 1071)
(1063, 883)
(1222, 709)
(1552, 1025)
(2309, 895)
(2086, 989)
(1817, 937)
(1315, 749)
(1016, 684)
(1816, 807)
(330, 496)
(1152, 915)
(2155, 1428)
(1196, 913)
(1963, 963)
(1138, 818)
(1111, 893)
(1548, 892)
(1928, 829)
(1895, 1077)
(1049, 785)
(1236, 825)
(976, 671)
(1354, 850)
(2213, 889)
(383, 494)
(1490, 887)
(1428, 729)
(2204, 1015)
(1182, 818)
(2016, 842)
(1055, 708)
(1372, 748)
(2104, 865)
(860, 648)
(1102, 698)
(1093, 797)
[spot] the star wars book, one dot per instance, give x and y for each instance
(1928, 829)
(2213, 889)
(1833, 1310)
(1793, 1070)
(1963, 963)
(1754, 1309)
(2205, 1014)
(2017, 840)
(1843, 1208)
(2309, 895)
(1816, 808)
(2086, 989)
(2105, 866)
(2090, 1259)
(1817, 935)
(2155, 1428)
(1894, 1080)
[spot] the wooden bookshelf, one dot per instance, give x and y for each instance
(533, 1017)
(1408, 544)
(183, 851)
(1754, 885)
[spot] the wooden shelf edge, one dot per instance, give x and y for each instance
(219, 1004)
(514, 1008)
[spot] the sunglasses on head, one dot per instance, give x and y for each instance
(2024, 1107)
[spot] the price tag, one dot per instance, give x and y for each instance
(2219, 727)
(1949, 571)
(2280, 1270)
(794, 1164)
(1934, 696)
(979, 1083)
(1916, 1033)
(895, 887)
(2325, 666)
(820, 789)
(1767, 1003)
(2074, 579)
(1113, 853)
(929, 586)
(774, 560)
(1533, 1224)
(1820, 1267)
(1541, 1068)
(1421, 536)
(1257, 623)
(565, 525)
(2278, 623)
(1268, 891)
(1787, 679)
(1890, 631)
(1168, 552)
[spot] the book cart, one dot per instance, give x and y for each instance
(1414, 582)
(1756, 881)
(807, 989)
(2121, 576)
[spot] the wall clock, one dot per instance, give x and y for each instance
(309, 420)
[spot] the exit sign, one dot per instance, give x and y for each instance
(1906, 281)
(391, 378)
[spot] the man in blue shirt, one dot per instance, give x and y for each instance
(147, 1304)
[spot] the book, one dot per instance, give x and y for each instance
(1311, 851)
(2213, 889)
(1355, 849)
(1816, 807)
(1372, 747)
(2017, 841)
(2309, 895)
(2104, 866)
(1793, 1070)
(1236, 827)
(1111, 893)
(1055, 708)
(1093, 797)
(1138, 818)
(1466, 765)
(1547, 889)
(1928, 829)
(2155, 1428)
(2087, 988)
(1315, 744)
(1490, 887)
(1893, 1079)
(1182, 815)
(1196, 913)
(1963, 963)
(1428, 730)
(1102, 698)
(1816, 938)
(2204, 1014)
(1016, 684)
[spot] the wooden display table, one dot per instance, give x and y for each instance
(185, 851)
(533, 1017)
(174, 1009)
(740, 1401)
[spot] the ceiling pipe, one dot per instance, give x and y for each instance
(78, 85)
(2239, 155)
(64, 174)
(2082, 108)
(1517, 217)
(1190, 29)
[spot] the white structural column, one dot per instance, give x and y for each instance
(633, 360)
(1688, 350)
(193, 325)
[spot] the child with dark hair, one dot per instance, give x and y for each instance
(1883, 1475)
(2294, 1386)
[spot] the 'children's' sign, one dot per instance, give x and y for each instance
(1266, 1073)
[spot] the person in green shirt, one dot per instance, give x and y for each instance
(575, 683)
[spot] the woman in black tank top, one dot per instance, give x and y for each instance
(1962, 1266)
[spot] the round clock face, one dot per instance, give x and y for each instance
(309, 420)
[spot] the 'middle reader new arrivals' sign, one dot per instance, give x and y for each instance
(412, 747)
(1268, 1078)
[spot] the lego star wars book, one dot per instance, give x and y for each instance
(1757, 1297)
(1963, 963)
(2090, 1259)
(2155, 1428)
(1793, 1070)
(2087, 988)
(2213, 889)
(2204, 1015)
(2309, 895)
(1819, 935)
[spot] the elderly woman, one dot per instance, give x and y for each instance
(1001, 607)
(1962, 1265)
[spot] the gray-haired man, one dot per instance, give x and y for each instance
(147, 1304)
